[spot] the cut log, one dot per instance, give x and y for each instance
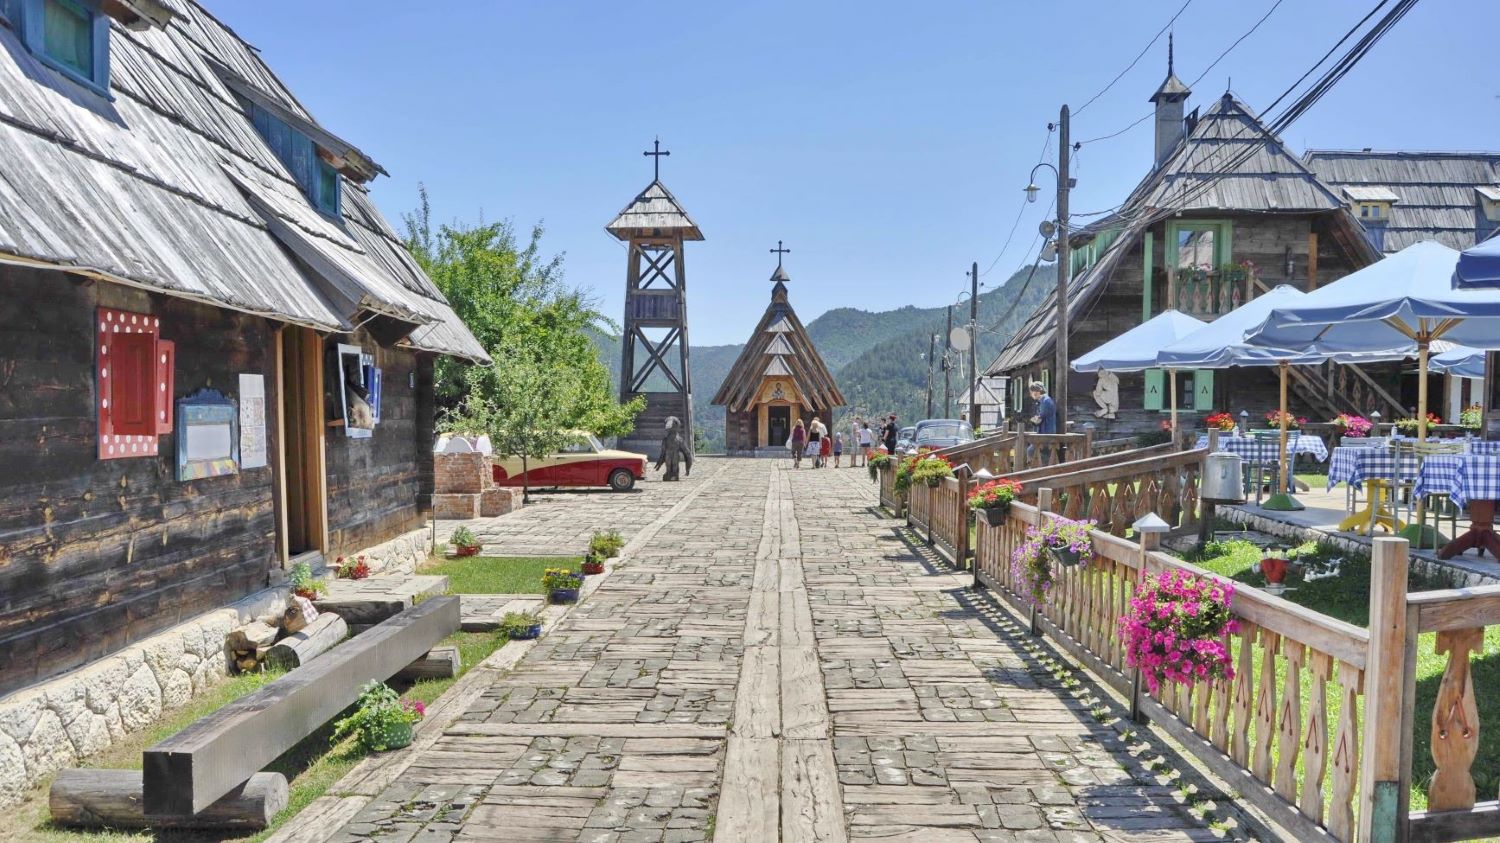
(318, 638)
(439, 663)
(252, 636)
(113, 799)
(192, 769)
(248, 664)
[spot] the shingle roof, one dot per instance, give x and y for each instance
(168, 186)
(779, 346)
(1436, 191)
(654, 211)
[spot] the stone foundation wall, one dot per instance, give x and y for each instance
(55, 724)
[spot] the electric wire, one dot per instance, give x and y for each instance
(1136, 60)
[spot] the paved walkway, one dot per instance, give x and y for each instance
(773, 662)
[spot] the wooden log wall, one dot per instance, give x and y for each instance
(96, 554)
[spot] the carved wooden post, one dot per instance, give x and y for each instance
(1380, 781)
(1149, 541)
(1455, 723)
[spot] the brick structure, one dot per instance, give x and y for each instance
(465, 488)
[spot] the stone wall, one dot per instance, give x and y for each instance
(46, 727)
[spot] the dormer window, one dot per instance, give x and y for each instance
(319, 181)
(1374, 211)
(1489, 201)
(69, 36)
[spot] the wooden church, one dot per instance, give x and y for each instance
(778, 379)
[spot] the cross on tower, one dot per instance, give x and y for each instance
(778, 252)
(656, 155)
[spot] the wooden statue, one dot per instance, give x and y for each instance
(674, 450)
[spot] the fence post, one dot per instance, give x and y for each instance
(1018, 455)
(1043, 506)
(1381, 770)
(961, 541)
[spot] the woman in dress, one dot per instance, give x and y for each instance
(797, 443)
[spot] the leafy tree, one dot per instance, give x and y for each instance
(517, 305)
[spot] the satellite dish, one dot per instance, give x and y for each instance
(958, 338)
(1047, 227)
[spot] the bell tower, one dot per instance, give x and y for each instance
(654, 345)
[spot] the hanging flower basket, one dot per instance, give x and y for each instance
(1033, 566)
(1178, 628)
(1064, 555)
(993, 499)
(994, 515)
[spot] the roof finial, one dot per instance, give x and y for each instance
(656, 158)
(1169, 52)
(778, 252)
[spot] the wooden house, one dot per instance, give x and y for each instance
(216, 357)
(778, 378)
(1225, 213)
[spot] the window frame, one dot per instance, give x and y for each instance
(34, 35)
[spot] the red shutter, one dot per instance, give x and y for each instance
(166, 364)
(133, 384)
(133, 396)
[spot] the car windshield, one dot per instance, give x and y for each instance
(952, 430)
(587, 444)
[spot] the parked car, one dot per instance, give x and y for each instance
(586, 462)
(906, 439)
(942, 433)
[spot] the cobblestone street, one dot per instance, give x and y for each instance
(773, 660)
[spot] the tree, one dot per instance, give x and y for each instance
(517, 305)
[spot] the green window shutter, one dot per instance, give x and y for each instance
(1203, 389)
(1156, 389)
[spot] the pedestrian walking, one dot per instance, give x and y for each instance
(854, 453)
(866, 440)
(889, 434)
(825, 450)
(797, 443)
(815, 433)
(838, 449)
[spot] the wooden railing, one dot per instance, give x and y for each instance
(1113, 495)
(941, 514)
(1313, 771)
(889, 498)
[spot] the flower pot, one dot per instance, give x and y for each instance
(527, 634)
(591, 568)
(1273, 569)
(995, 515)
(934, 482)
(1065, 556)
(563, 595)
(467, 550)
(306, 594)
(397, 735)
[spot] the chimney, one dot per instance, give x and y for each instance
(1171, 101)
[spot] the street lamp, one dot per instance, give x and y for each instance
(1060, 378)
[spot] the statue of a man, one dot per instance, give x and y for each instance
(674, 450)
(1107, 394)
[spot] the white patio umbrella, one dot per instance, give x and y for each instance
(1458, 360)
(1221, 345)
(1136, 349)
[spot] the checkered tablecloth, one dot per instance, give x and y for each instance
(1253, 450)
(1464, 477)
(1355, 465)
(1482, 447)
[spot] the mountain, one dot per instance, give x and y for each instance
(877, 358)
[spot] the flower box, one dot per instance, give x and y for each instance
(994, 515)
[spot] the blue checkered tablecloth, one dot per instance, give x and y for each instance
(1355, 465)
(1482, 447)
(1464, 477)
(1254, 450)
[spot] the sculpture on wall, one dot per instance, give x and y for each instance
(1107, 394)
(674, 450)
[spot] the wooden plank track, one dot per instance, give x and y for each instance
(189, 771)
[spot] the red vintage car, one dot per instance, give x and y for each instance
(586, 462)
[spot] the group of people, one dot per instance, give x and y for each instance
(813, 441)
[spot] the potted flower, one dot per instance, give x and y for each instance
(561, 585)
(931, 469)
(592, 564)
(1221, 420)
(352, 569)
(1273, 420)
(875, 464)
(464, 542)
(903, 473)
(304, 584)
(992, 500)
(1471, 417)
(1409, 426)
(606, 544)
(1177, 629)
(521, 626)
(1274, 568)
(1352, 426)
(381, 720)
(1056, 541)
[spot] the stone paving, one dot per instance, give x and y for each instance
(773, 661)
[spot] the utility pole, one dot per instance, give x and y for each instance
(947, 381)
(974, 345)
(1060, 376)
(931, 353)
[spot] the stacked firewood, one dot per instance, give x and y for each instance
(297, 636)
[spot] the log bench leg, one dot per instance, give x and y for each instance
(114, 799)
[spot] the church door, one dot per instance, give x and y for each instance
(778, 426)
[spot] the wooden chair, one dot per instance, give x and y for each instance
(1438, 504)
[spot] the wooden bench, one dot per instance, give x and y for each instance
(191, 770)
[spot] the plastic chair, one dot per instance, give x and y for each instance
(1267, 460)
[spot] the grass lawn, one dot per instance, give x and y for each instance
(311, 767)
(1346, 597)
(497, 574)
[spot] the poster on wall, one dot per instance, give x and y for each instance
(252, 421)
(207, 435)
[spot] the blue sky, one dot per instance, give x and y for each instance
(888, 147)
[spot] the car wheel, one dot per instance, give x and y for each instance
(621, 480)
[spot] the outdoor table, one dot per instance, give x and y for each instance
(1380, 466)
(1472, 480)
(1483, 447)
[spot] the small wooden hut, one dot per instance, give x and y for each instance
(778, 378)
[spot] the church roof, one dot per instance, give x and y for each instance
(654, 212)
(779, 347)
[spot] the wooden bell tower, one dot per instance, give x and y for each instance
(654, 346)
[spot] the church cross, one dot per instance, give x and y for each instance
(656, 155)
(778, 252)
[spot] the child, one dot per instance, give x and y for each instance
(838, 449)
(826, 451)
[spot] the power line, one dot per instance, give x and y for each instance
(1136, 60)
(1051, 127)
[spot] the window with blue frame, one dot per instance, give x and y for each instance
(70, 36)
(319, 181)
